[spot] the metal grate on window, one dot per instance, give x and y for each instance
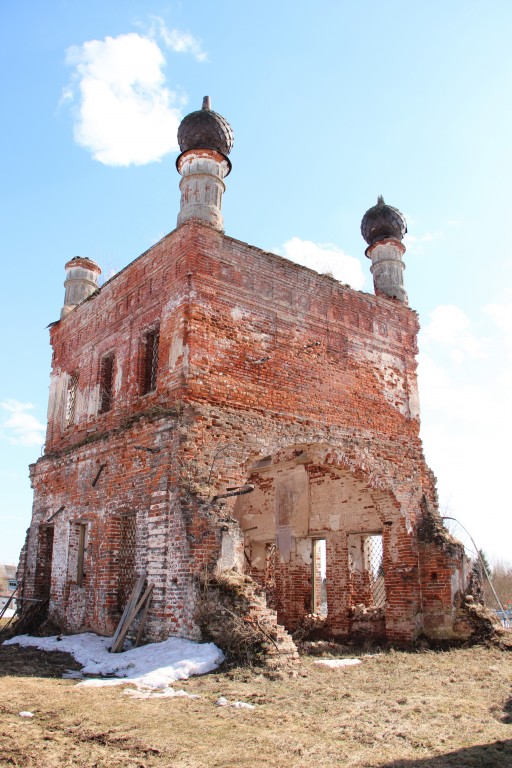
(71, 399)
(150, 362)
(127, 574)
(375, 565)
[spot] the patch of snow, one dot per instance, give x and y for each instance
(151, 666)
(223, 702)
(334, 663)
(26, 714)
(166, 693)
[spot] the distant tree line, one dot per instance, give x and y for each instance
(501, 576)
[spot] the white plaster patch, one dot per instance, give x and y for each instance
(304, 550)
(175, 351)
(119, 377)
(173, 304)
(94, 400)
(237, 313)
(334, 522)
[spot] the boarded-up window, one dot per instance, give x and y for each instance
(106, 382)
(150, 361)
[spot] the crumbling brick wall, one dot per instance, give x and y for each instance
(261, 363)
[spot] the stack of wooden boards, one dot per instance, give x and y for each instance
(140, 599)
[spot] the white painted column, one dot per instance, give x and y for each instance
(202, 186)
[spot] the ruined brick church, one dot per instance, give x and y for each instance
(214, 407)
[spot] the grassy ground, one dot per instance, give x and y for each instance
(395, 710)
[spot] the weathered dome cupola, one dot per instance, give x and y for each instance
(383, 221)
(383, 227)
(205, 140)
(205, 129)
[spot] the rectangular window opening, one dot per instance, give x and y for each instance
(366, 561)
(150, 362)
(71, 399)
(375, 565)
(82, 536)
(106, 382)
(126, 569)
(77, 551)
(319, 578)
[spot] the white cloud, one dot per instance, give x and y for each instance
(126, 114)
(20, 427)
(325, 258)
(450, 327)
(416, 243)
(177, 41)
(467, 419)
(501, 315)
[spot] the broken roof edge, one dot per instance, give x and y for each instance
(286, 262)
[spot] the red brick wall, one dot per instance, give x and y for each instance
(255, 354)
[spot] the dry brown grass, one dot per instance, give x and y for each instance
(406, 710)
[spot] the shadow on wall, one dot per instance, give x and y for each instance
(495, 755)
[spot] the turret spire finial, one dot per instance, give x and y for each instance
(207, 104)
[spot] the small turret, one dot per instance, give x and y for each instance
(205, 140)
(81, 280)
(383, 227)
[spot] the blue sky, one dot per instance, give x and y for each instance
(332, 104)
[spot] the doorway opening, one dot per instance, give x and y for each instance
(319, 578)
(43, 575)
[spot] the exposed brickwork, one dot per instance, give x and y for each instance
(270, 375)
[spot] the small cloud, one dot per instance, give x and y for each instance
(501, 315)
(66, 96)
(177, 41)
(417, 243)
(20, 427)
(125, 113)
(325, 258)
(450, 327)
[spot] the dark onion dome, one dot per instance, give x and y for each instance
(205, 129)
(383, 221)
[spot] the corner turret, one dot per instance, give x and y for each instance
(205, 140)
(383, 227)
(81, 280)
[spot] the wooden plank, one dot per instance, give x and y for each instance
(134, 596)
(7, 604)
(143, 619)
(81, 552)
(129, 621)
(137, 589)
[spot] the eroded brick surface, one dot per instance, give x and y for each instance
(269, 375)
